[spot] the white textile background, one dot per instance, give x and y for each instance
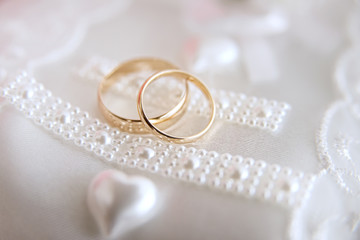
(44, 179)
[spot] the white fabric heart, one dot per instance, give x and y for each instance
(120, 202)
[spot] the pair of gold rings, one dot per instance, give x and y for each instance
(160, 68)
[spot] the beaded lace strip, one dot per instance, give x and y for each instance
(244, 176)
(230, 106)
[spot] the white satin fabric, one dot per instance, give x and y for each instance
(44, 179)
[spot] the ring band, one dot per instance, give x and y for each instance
(129, 67)
(149, 124)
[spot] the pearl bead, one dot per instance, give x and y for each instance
(246, 112)
(290, 186)
(202, 152)
(122, 160)
(189, 176)
(148, 142)
(251, 191)
(48, 93)
(273, 103)
(212, 154)
(164, 154)
(191, 150)
(29, 93)
(98, 151)
(180, 149)
(39, 120)
(224, 103)
(220, 173)
(65, 118)
(159, 160)
(262, 124)
(4, 92)
(286, 171)
(109, 156)
(263, 112)
(133, 163)
(249, 161)
(255, 182)
(239, 187)
(155, 168)
(85, 115)
(252, 122)
(261, 164)
(229, 117)
(238, 103)
(48, 125)
(216, 182)
(242, 173)
(275, 168)
(30, 113)
(238, 159)
(102, 138)
(229, 184)
(145, 152)
(299, 174)
(167, 172)
(206, 169)
(285, 106)
(89, 147)
(191, 163)
(201, 179)
(79, 141)
(67, 105)
(225, 157)
(143, 165)
(273, 175)
(267, 194)
(137, 140)
(58, 130)
(159, 144)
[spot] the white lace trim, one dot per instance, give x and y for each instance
(59, 31)
(245, 176)
(336, 157)
(336, 143)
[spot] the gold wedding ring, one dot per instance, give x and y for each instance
(150, 124)
(123, 70)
